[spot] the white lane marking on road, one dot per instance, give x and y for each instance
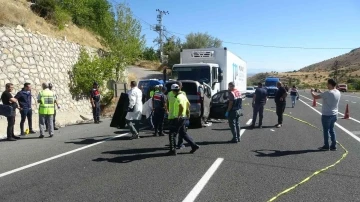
(249, 122)
(203, 181)
(242, 131)
(353, 102)
(347, 100)
(338, 125)
(272, 130)
(58, 156)
(338, 112)
(350, 95)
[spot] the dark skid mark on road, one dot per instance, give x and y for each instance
(138, 154)
(278, 153)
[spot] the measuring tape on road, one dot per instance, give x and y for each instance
(316, 172)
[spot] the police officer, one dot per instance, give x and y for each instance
(55, 100)
(181, 112)
(170, 104)
(95, 102)
(233, 112)
(159, 108)
(46, 109)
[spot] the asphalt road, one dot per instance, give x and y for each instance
(85, 163)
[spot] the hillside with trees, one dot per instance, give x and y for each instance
(344, 68)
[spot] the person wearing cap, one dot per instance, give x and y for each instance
(152, 92)
(181, 112)
(46, 110)
(159, 109)
(24, 99)
(134, 111)
(95, 102)
(233, 112)
(170, 104)
(57, 105)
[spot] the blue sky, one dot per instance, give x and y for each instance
(289, 23)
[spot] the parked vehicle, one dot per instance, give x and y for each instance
(342, 87)
(219, 104)
(250, 91)
(199, 96)
(148, 85)
(270, 85)
(215, 67)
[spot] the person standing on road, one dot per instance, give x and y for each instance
(329, 112)
(258, 103)
(95, 102)
(24, 99)
(134, 114)
(294, 95)
(8, 99)
(280, 101)
(233, 112)
(57, 105)
(46, 110)
(159, 109)
(170, 105)
(181, 112)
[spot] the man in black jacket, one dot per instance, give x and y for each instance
(24, 99)
(8, 99)
(280, 100)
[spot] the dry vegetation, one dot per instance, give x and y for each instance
(18, 12)
(153, 65)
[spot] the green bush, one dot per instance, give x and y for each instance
(150, 54)
(107, 98)
(61, 17)
(86, 71)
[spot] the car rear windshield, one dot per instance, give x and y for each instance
(342, 86)
(188, 88)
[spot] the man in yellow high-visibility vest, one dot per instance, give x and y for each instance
(46, 110)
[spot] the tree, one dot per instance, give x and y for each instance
(201, 40)
(150, 54)
(172, 48)
(126, 43)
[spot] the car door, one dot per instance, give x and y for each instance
(219, 104)
(207, 101)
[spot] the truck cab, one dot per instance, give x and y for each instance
(270, 85)
(204, 73)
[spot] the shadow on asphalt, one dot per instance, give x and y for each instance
(92, 140)
(133, 155)
(278, 153)
(220, 129)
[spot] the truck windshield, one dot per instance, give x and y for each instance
(270, 83)
(193, 73)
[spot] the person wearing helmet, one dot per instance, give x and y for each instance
(181, 112)
(95, 102)
(55, 101)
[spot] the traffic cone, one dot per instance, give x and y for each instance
(347, 116)
(314, 103)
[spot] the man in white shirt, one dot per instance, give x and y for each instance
(134, 114)
(329, 112)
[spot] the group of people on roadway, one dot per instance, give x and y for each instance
(174, 105)
(330, 105)
(22, 101)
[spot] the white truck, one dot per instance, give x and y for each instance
(215, 67)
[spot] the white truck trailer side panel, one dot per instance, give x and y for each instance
(236, 72)
(217, 57)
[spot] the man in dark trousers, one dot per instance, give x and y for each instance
(233, 111)
(95, 102)
(181, 112)
(258, 103)
(24, 98)
(55, 100)
(8, 99)
(159, 109)
(280, 100)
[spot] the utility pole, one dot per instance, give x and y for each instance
(160, 29)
